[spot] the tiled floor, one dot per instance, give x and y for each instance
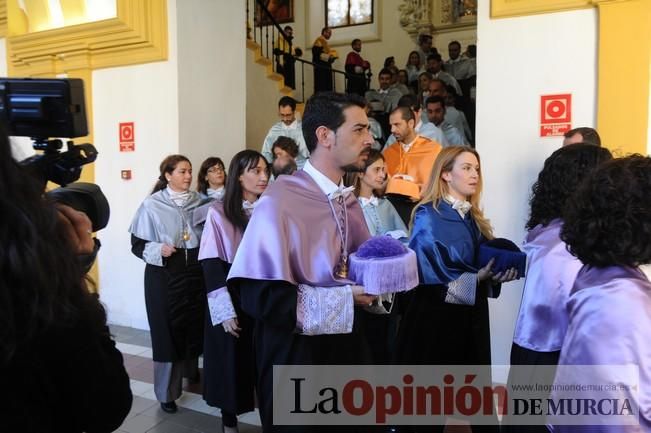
(194, 416)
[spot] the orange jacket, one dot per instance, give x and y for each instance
(417, 163)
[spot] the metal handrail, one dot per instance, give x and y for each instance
(268, 51)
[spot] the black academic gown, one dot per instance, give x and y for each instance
(273, 305)
(175, 301)
(229, 375)
(322, 71)
(433, 332)
(289, 205)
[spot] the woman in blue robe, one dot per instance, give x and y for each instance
(445, 320)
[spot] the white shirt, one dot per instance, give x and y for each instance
(407, 146)
(328, 187)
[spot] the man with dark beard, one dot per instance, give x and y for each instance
(293, 274)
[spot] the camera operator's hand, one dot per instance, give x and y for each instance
(79, 228)
(167, 250)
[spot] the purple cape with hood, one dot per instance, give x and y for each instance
(542, 320)
(293, 236)
(220, 237)
(609, 321)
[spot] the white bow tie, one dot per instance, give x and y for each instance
(373, 201)
(341, 192)
(246, 205)
(461, 206)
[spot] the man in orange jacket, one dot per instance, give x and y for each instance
(409, 162)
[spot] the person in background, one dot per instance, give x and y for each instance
(414, 69)
(59, 367)
(373, 109)
(211, 178)
(445, 319)
(289, 126)
(542, 321)
(607, 226)
(459, 67)
(323, 57)
(165, 237)
(409, 162)
(385, 93)
(356, 68)
(380, 215)
(395, 81)
(285, 152)
(229, 368)
(382, 219)
(434, 67)
(424, 128)
(435, 108)
(285, 54)
(425, 47)
(424, 79)
(582, 135)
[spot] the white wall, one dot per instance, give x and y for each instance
(193, 103)
(520, 59)
(262, 95)
(211, 64)
(147, 95)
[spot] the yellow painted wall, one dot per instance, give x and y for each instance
(624, 74)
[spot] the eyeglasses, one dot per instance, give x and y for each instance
(217, 170)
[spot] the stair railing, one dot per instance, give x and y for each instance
(264, 30)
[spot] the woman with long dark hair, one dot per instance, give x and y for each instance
(229, 370)
(381, 219)
(59, 368)
(380, 215)
(211, 178)
(445, 319)
(164, 236)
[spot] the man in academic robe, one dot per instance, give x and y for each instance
(356, 67)
(285, 56)
(288, 126)
(424, 127)
(409, 162)
(323, 57)
(436, 114)
(292, 274)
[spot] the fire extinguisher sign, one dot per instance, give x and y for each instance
(555, 114)
(127, 137)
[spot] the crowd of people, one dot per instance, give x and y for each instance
(425, 75)
(251, 269)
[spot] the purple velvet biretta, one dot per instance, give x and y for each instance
(384, 265)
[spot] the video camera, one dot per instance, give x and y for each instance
(46, 108)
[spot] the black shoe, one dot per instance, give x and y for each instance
(169, 407)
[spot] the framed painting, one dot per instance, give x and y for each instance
(282, 11)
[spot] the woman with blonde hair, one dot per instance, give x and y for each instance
(445, 320)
